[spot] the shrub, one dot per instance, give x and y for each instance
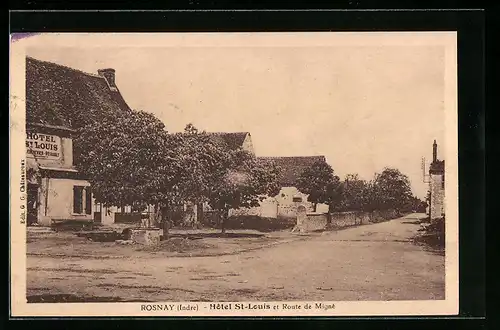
(433, 234)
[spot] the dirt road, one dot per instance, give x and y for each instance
(372, 262)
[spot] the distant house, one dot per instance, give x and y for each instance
(285, 203)
(436, 186)
(282, 205)
(55, 96)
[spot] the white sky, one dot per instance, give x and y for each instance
(365, 101)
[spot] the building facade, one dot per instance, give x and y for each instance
(436, 186)
(59, 102)
(56, 191)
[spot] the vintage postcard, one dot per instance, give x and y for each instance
(234, 174)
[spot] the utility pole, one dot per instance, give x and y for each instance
(425, 176)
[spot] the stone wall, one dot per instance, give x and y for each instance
(379, 216)
(346, 219)
(437, 196)
(319, 221)
(316, 221)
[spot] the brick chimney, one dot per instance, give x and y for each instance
(434, 152)
(109, 75)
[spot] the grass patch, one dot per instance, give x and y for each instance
(179, 245)
(261, 224)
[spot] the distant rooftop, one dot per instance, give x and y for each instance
(234, 140)
(292, 167)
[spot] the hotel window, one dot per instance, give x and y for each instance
(297, 199)
(78, 199)
(82, 200)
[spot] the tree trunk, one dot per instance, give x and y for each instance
(223, 220)
(329, 216)
(315, 205)
(165, 229)
(166, 222)
(199, 213)
(157, 217)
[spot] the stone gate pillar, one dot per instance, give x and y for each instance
(301, 218)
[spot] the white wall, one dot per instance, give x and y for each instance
(280, 205)
(55, 198)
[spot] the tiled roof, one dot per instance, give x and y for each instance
(62, 96)
(291, 167)
(232, 140)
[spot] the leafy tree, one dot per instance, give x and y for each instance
(132, 160)
(420, 206)
(244, 183)
(371, 199)
(391, 190)
(190, 129)
(320, 183)
(354, 193)
(209, 172)
(126, 158)
(201, 160)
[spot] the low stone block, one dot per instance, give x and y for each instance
(148, 236)
(124, 242)
(316, 221)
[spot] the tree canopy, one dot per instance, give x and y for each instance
(127, 159)
(355, 193)
(320, 183)
(244, 183)
(388, 190)
(392, 189)
(132, 160)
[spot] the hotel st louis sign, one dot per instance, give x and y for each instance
(43, 146)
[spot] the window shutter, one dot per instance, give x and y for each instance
(77, 199)
(88, 200)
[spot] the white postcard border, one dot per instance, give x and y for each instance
(449, 306)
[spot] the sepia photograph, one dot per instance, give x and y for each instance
(234, 173)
